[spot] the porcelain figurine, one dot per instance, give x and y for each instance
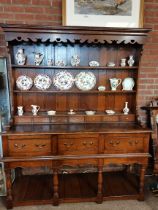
(20, 110)
(20, 57)
(50, 62)
(126, 109)
(60, 63)
(35, 109)
(38, 58)
(114, 82)
(131, 61)
(128, 83)
(75, 60)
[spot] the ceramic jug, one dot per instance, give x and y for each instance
(128, 83)
(114, 82)
(38, 58)
(20, 57)
(35, 109)
(20, 110)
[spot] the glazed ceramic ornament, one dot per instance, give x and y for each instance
(38, 58)
(20, 57)
(75, 60)
(131, 61)
(126, 109)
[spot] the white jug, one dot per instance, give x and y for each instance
(114, 82)
(128, 83)
(20, 110)
(35, 109)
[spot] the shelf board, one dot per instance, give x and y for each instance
(61, 114)
(76, 92)
(75, 67)
(83, 187)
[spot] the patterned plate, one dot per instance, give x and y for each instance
(24, 82)
(63, 80)
(85, 81)
(42, 82)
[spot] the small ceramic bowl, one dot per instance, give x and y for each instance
(101, 88)
(90, 112)
(51, 112)
(108, 111)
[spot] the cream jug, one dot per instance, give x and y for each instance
(38, 58)
(20, 57)
(114, 82)
(128, 83)
(35, 109)
(20, 110)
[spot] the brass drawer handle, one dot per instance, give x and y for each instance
(21, 146)
(85, 143)
(114, 143)
(68, 145)
(133, 142)
(40, 146)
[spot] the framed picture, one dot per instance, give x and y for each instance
(103, 13)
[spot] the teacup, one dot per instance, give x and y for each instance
(51, 112)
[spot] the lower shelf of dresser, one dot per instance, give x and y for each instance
(38, 189)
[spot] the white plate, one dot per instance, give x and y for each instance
(42, 82)
(63, 80)
(24, 82)
(85, 81)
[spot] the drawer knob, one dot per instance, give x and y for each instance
(19, 146)
(40, 146)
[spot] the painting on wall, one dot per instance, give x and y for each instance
(104, 13)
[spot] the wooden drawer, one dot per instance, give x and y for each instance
(29, 145)
(110, 118)
(77, 144)
(127, 118)
(125, 143)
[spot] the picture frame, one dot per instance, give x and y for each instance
(99, 13)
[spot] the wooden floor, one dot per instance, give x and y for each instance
(73, 187)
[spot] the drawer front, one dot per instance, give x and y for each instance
(125, 143)
(127, 118)
(28, 146)
(77, 144)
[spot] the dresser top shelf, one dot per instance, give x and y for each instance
(76, 129)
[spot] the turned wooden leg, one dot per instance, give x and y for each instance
(141, 185)
(56, 187)
(100, 185)
(9, 198)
